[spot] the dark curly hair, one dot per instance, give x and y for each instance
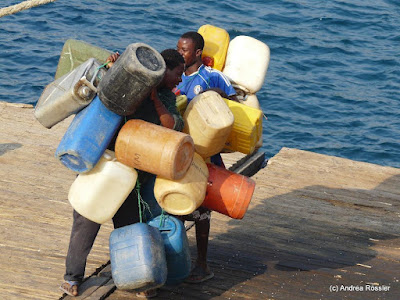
(172, 58)
(195, 37)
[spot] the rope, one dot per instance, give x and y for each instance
(139, 201)
(162, 217)
(22, 6)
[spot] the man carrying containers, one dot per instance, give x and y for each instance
(196, 79)
(159, 108)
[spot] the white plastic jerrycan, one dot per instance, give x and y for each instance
(99, 193)
(246, 63)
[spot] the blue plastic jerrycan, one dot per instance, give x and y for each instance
(87, 137)
(176, 247)
(137, 256)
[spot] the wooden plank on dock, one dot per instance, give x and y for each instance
(315, 222)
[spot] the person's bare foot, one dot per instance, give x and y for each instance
(147, 294)
(199, 274)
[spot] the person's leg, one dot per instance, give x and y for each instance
(128, 213)
(83, 235)
(202, 234)
(202, 218)
(201, 270)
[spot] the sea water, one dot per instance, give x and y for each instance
(332, 84)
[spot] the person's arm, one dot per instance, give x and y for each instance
(223, 94)
(221, 84)
(166, 118)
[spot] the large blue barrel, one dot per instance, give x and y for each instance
(176, 247)
(137, 257)
(87, 137)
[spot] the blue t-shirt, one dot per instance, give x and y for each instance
(203, 79)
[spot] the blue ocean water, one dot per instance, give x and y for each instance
(333, 82)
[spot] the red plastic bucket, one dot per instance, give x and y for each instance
(227, 192)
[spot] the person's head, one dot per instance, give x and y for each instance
(175, 65)
(190, 46)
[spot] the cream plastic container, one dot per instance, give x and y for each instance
(182, 197)
(99, 193)
(246, 63)
(209, 121)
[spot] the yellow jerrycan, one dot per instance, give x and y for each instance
(216, 42)
(247, 128)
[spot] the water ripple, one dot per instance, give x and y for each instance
(333, 81)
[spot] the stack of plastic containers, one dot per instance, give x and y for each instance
(120, 92)
(146, 256)
(246, 66)
(138, 251)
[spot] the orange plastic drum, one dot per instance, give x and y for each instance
(154, 149)
(227, 192)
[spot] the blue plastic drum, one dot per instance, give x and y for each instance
(137, 257)
(176, 247)
(87, 137)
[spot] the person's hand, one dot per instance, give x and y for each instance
(112, 59)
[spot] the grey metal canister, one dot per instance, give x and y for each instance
(69, 94)
(130, 80)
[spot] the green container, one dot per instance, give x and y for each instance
(77, 52)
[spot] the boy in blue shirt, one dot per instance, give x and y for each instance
(196, 79)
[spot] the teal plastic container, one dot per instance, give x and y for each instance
(176, 247)
(87, 137)
(137, 256)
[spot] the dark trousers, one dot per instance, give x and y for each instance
(84, 232)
